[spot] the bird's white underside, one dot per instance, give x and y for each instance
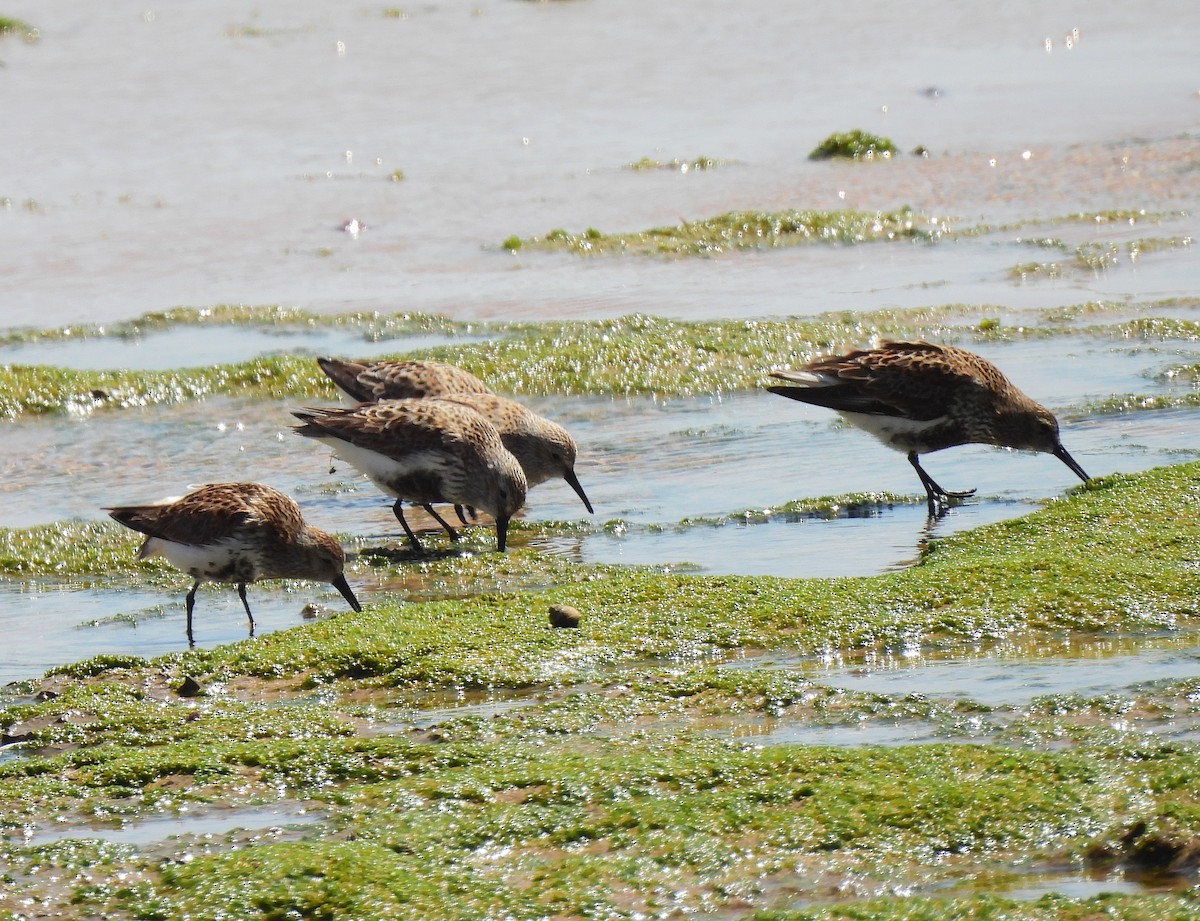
(191, 558)
(894, 431)
(171, 500)
(808, 378)
(381, 470)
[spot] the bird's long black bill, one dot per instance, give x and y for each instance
(343, 586)
(570, 477)
(501, 533)
(1061, 453)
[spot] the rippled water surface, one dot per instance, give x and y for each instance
(266, 822)
(680, 483)
(506, 118)
(202, 346)
(1007, 675)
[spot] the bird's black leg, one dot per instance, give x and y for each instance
(440, 520)
(191, 604)
(412, 538)
(939, 499)
(246, 605)
(462, 514)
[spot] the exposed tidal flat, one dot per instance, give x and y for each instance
(705, 743)
(787, 695)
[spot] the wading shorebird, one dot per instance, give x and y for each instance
(918, 397)
(544, 449)
(236, 533)
(425, 451)
(398, 379)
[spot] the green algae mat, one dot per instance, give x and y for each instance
(624, 356)
(614, 771)
(681, 753)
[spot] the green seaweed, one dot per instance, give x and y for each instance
(12, 26)
(698, 164)
(853, 145)
(634, 355)
(1095, 257)
(619, 788)
(740, 230)
(754, 230)
(375, 326)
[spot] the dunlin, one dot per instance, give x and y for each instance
(425, 451)
(236, 533)
(543, 448)
(918, 397)
(400, 379)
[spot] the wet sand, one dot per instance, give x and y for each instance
(209, 154)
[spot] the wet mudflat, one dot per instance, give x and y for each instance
(474, 708)
(790, 695)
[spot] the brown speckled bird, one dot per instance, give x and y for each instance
(425, 451)
(236, 533)
(544, 449)
(398, 379)
(918, 397)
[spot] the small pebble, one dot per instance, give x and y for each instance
(563, 615)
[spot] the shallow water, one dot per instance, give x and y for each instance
(235, 189)
(1006, 674)
(1083, 884)
(408, 714)
(266, 821)
(44, 625)
(1003, 677)
(203, 346)
(1025, 884)
(672, 482)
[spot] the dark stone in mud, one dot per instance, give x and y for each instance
(189, 687)
(563, 615)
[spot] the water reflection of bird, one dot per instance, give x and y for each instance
(425, 451)
(236, 533)
(918, 397)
